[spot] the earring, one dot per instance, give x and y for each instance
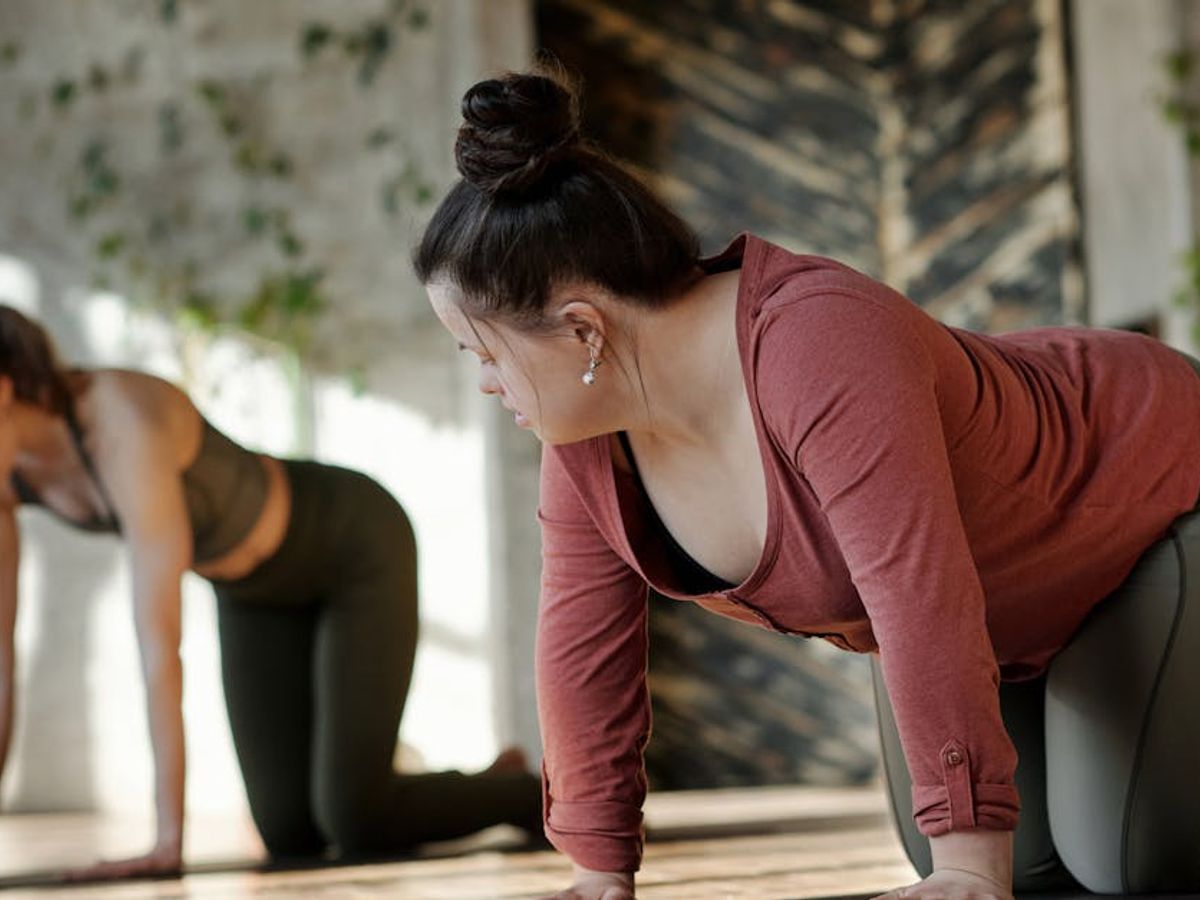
(589, 377)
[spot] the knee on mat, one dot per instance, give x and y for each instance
(353, 825)
(292, 840)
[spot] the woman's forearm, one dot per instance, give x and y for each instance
(7, 707)
(981, 852)
(164, 699)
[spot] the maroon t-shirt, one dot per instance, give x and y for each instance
(952, 501)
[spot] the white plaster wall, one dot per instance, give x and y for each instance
(1134, 172)
(80, 741)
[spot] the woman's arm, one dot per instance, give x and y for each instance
(593, 706)
(137, 463)
(9, 563)
(853, 394)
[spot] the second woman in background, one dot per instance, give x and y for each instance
(315, 573)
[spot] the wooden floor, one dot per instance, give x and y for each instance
(761, 843)
(796, 842)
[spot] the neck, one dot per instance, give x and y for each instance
(691, 370)
(41, 436)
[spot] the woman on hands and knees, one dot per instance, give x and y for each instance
(314, 570)
(789, 443)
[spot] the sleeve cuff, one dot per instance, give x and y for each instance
(994, 807)
(603, 835)
(958, 803)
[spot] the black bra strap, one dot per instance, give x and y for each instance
(699, 579)
(88, 463)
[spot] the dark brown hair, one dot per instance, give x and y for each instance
(28, 359)
(537, 206)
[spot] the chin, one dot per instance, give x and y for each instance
(558, 436)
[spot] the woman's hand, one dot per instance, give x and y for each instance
(165, 861)
(952, 884)
(592, 885)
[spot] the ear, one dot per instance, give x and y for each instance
(586, 322)
(7, 396)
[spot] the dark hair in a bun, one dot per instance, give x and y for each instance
(514, 129)
(539, 206)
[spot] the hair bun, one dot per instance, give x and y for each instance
(514, 129)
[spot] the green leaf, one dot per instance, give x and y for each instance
(1174, 110)
(255, 220)
(80, 207)
(62, 93)
(380, 137)
(248, 157)
(280, 165)
(104, 182)
(313, 38)
(290, 245)
(230, 124)
(159, 229)
(389, 195)
(377, 42)
(169, 10)
(110, 245)
(211, 92)
(418, 19)
(199, 310)
(98, 79)
(1179, 64)
(131, 64)
(170, 128)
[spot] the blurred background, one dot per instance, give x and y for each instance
(226, 194)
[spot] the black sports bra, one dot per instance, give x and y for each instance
(693, 578)
(107, 522)
(225, 489)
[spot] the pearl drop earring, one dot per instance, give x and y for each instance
(589, 377)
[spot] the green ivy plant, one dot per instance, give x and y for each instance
(134, 235)
(1180, 108)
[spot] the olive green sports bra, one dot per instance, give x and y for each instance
(225, 489)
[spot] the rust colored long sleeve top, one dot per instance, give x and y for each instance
(954, 502)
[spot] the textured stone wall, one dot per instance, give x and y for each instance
(926, 142)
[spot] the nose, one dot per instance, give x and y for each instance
(488, 382)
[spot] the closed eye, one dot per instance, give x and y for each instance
(484, 359)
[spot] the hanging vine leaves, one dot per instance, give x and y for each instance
(1179, 108)
(283, 301)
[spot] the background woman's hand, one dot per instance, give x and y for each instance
(590, 885)
(161, 862)
(951, 884)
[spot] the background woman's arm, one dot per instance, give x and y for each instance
(137, 463)
(9, 562)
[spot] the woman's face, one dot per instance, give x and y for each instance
(536, 376)
(8, 431)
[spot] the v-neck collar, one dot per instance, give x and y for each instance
(747, 253)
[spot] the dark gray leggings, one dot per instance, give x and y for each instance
(317, 649)
(1108, 742)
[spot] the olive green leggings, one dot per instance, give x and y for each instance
(317, 648)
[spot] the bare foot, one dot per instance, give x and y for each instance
(510, 759)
